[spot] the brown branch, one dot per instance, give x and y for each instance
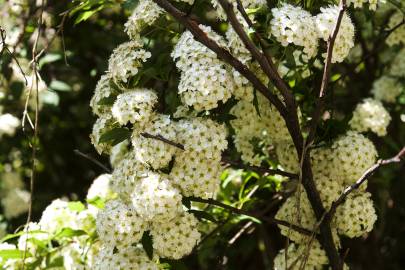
(92, 159)
(367, 174)
(163, 139)
(246, 213)
(270, 70)
(258, 169)
(320, 104)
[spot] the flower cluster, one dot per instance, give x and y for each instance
(386, 89)
(14, 198)
(265, 124)
(205, 80)
(126, 60)
(294, 25)
(8, 124)
(334, 168)
(370, 115)
(398, 36)
(326, 22)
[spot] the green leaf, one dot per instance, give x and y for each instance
(130, 4)
(87, 14)
(7, 254)
(49, 58)
(60, 86)
(76, 206)
(186, 202)
(107, 101)
(147, 244)
(69, 233)
(97, 202)
(202, 215)
(115, 136)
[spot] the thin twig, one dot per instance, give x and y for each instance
(368, 173)
(92, 159)
(163, 139)
(246, 213)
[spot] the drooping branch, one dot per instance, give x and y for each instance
(367, 174)
(253, 215)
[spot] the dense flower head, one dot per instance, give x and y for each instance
(131, 258)
(370, 115)
(119, 225)
(100, 188)
(103, 91)
(59, 214)
(177, 238)
(353, 154)
(152, 152)
(326, 22)
(195, 175)
(294, 25)
(155, 198)
(387, 89)
(269, 127)
(287, 156)
(135, 106)
(235, 43)
(126, 60)
(243, 88)
(398, 36)
(205, 80)
(32, 233)
(356, 216)
(329, 189)
(103, 124)
(145, 14)
(297, 210)
(297, 255)
(202, 135)
(127, 174)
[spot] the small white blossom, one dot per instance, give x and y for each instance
(135, 106)
(326, 22)
(370, 115)
(177, 238)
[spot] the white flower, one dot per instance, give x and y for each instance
(398, 65)
(196, 175)
(135, 106)
(202, 135)
(101, 126)
(153, 152)
(15, 203)
(8, 124)
(387, 89)
(29, 234)
(356, 215)
(145, 14)
(295, 25)
(370, 115)
(352, 154)
(155, 199)
(118, 152)
(205, 80)
(102, 92)
(131, 258)
(100, 188)
(398, 36)
(177, 238)
(127, 174)
(126, 60)
(326, 22)
(119, 225)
